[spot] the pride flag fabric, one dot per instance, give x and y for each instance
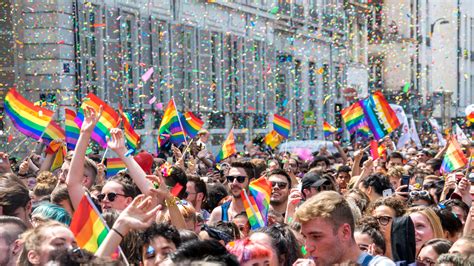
(60, 152)
(191, 124)
(257, 202)
(379, 115)
(33, 121)
(170, 128)
(328, 129)
(454, 157)
(72, 130)
(353, 117)
(87, 226)
(131, 137)
(364, 130)
(273, 139)
(228, 147)
(114, 165)
(108, 120)
(281, 125)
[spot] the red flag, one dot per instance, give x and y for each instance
(176, 189)
(374, 149)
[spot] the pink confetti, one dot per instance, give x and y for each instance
(147, 74)
(152, 100)
(159, 106)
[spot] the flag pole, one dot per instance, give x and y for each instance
(42, 133)
(185, 150)
(19, 144)
(103, 156)
(251, 207)
(179, 120)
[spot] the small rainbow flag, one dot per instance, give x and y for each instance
(328, 129)
(353, 117)
(259, 198)
(191, 124)
(114, 165)
(60, 152)
(131, 137)
(170, 125)
(379, 115)
(87, 226)
(364, 130)
(228, 147)
(33, 121)
(281, 125)
(72, 130)
(273, 139)
(109, 119)
(454, 158)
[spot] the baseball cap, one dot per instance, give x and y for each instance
(145, 160)
(313, 179)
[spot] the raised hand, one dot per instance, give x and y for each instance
(4, 163)
(90, 119)
(160, 190)
(116, 142)
(139, 214)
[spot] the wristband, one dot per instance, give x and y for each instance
(117, 232)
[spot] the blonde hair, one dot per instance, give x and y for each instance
(432, 217)
(329, 205)
(186, 209)
(397, 171)
(45, 184)
(33, 238)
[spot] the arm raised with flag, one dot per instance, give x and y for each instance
(75, 175)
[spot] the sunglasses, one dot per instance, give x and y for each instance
(110, 196)
(421, 193)
(280, 185)
(240, 179)
(383, 220)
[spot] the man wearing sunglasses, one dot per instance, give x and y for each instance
(238, 178)
(313, 183)
(281, 184)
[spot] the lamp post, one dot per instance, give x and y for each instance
(440, 21)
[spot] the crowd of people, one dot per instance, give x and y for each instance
(336, 208)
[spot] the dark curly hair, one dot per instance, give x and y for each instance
(164, 230)
(396, 204)
(379, 183)
(130, 189)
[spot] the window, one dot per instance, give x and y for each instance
(128, 37)
(233, 87)
(374, 23)
(190, 70)
(376, 72)
(312, 86)
(159, 58)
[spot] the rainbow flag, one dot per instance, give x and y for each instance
(109, 119)
(72, 130)
(170, 127)
(259, 198)
(131, 137)
(364, 130)
(353, 117)
(454, 158)
(281, 125)
(33, 121)
(114, 165)
(273, 139)
(191, 124)
(228, 147)
(60, 152)
(328, 129)
(379, 115)
(88, 227)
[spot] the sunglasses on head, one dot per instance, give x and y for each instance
(280, 185)
(240, 179)
(110, 196)
(421, 193)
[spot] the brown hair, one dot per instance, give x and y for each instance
(396, 204)
(13, 194)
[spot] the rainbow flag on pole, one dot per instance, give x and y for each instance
(131, 137)
(108, 120)
(228, 147)
(60, 153)
(454, 157)
(114, 165)
(87, 225)
(273, 139)
(257, 202)
(72, 130)
(353, 117)
(170, 126)
(379, 115)
(328, 129)
(191, 124)
(281, 125)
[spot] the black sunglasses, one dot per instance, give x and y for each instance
(280, 185)
(240, 179)
(110, 196)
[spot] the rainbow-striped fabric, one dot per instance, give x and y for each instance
(191, 124)
(72, 129)
(329, 130)
(353, 117)
(228, 147)
(108, 120)
(259, 197)
(33, 121)
(454, 157)
(114, 165)
(131, 137)
(281, 125)
(170, 128)
(379, 115)
(273, 139)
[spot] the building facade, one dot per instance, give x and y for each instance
(234, 63)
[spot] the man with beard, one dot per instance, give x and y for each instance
(239, 176)
(281, 184)
(196, 194)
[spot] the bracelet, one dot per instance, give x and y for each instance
(117, 232)
(171, 201)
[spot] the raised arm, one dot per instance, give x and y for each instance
(75, 175)
(117, 144)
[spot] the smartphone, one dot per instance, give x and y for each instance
(406, 181)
